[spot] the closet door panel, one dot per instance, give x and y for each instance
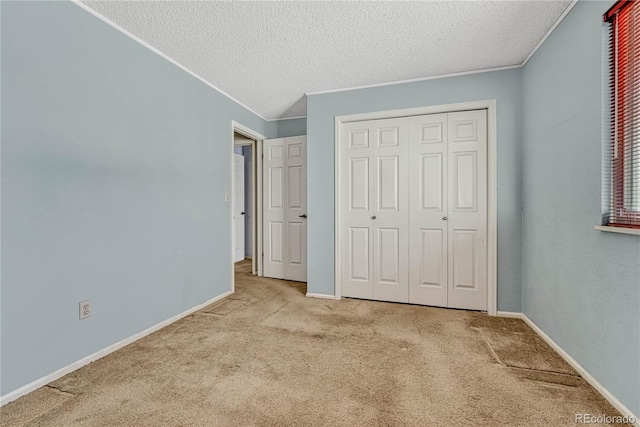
(357, 201)
(428, 208)
(467, 210)
(390, 223)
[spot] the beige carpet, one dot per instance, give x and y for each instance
(269, 356)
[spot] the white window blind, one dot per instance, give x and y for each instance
(621, 180)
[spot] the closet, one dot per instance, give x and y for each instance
(413, 209)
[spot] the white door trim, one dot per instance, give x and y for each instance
(492, 184)
(256, 209)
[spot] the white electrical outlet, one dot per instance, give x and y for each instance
(85, 309)
(226, 197)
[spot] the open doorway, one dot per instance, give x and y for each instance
(246, 200)
(243, 199)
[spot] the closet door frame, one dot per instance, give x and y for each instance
(492, 201)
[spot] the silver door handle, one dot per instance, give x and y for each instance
(444, 218)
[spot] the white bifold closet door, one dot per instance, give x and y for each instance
(448, 219)
(430, 247)
(285, 208)
(375, 220)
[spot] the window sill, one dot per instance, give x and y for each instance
(620, 230)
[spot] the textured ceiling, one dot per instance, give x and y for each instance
(267, 54)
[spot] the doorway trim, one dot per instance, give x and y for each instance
(256, 209)
(492, 184)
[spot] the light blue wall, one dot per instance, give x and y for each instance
(114, 167)
(115, 164)
(287, 127)
(581, 286)
(504, 86)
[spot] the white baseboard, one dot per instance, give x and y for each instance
(571, 361)
(321, 296)
(510, 314)
(9, 397)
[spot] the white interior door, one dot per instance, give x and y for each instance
(374, 212)
(285, 208)
(238, 206)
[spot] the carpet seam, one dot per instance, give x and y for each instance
(214, 315)
(486, 340)
(520, 367)
(60, 390)
(541, 370)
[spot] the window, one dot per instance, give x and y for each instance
(621, 195)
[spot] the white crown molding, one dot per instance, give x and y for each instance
(463, 73)
(553, 27)
(287, 118)
(399, 82)
(440, 76)
(177, 64)
(162, 55)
